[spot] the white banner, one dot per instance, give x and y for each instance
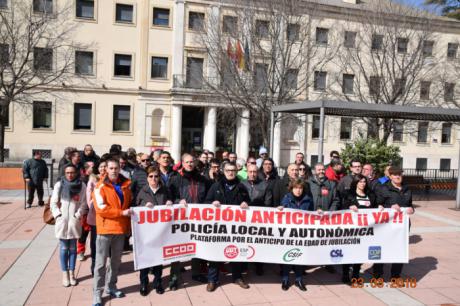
(260, 234)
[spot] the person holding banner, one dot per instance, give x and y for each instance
(188, 186)
(296, 198)
(360, 196)
(227, 191)
(394, 195)
(151, 195)
(111, 198)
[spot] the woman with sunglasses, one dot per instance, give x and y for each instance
(151, 195)
(69, 195)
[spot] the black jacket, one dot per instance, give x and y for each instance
(235, 196)
(35, 170)
(146, 195)
(343, 186)
(259, 193)
(138, 180)
(92, 158)
(387, 195)
(168, 177)
(190, 186)
(324, 194)
(271, 178)
(351, 199)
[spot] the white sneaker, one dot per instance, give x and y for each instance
(72, 280)
(81, 256)
(65, 279)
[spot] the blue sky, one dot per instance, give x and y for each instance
(418, 3)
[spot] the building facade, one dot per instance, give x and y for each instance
(139, 91)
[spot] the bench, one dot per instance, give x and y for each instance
(417, 182)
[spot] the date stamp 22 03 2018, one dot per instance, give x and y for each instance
(380, 283)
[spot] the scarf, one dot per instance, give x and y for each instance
(70, 188)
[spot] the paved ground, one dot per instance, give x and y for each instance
(30, 274)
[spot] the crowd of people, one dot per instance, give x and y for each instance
(94, 196)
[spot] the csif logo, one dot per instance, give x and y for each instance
(292, 255)
(336, 255)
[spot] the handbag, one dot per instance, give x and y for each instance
(48, 217)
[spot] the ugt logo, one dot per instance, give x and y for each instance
(336, 255)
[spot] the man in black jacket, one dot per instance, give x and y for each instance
(188, 186)
(35, 172)
(393, 195)
(166, 171)
(323, 191)
(345, 182)
(227, 191)
(268, 173)
(281, 186)
(139, 176)
(260, 195)
(88, 154)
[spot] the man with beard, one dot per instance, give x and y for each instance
(187, 187)
(344, 185)
(213, 174)
(229, 191)
(268, 173)
(260, 195)
(281, 187)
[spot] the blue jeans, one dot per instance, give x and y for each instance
(68, 254)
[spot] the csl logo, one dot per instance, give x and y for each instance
(231, 251)
(178, 250)
(336, 255)
(292, 255)
(375, 252)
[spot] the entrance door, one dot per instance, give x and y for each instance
(192, 139)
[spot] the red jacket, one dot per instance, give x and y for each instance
(332, 176)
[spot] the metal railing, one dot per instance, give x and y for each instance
(433, 174)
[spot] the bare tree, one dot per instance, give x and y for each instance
(389, 56)
(259, 54)
(36, 53)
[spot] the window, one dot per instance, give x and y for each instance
(422, 134)
(425, 90)
(399, 86)
(159, 68)
(228, 78)
(444, 164)
(43, 6)
(161, 17)
(315, 127)
(372, 128)
(43, 59)
(421, 163)
(427, 48)
(122, 65)
(350, 39)
(398, 130)
(377, 42)
(262, 28)
(452, 50)
(314, 160)
(261, 77)
(320, 81)
(7, 118)
(4, 53)
(85, 9)
(347, 83)
(345, 128)
(402, 44)
(84, 62)
(449, 91)
(321, 36)
(374, 85)
(446, 132)
(82, 116)
(196, 21)
(124, 13)
(121, 118)
(230, 24)
(291, 79)
(194, 72)
(6, 152)
(41, 115)
(3, 4)
(46, 154)
(292, 32)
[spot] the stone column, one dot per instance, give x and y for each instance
(176, 132)
(210, 128)
(242, 137)
(178, 42)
